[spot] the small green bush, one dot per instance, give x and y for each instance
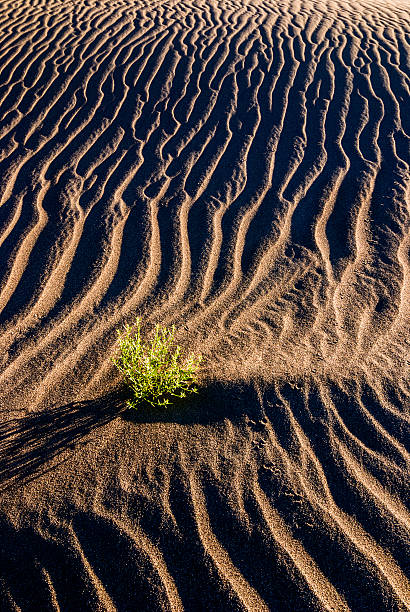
(154, 371)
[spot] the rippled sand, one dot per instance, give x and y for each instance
(240, 170)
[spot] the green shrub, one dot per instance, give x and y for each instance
(154, 371)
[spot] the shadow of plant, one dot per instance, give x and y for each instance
(29, 442)
(214, 402)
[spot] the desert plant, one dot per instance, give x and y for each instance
(155, 371)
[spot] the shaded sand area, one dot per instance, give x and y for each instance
(239, 169)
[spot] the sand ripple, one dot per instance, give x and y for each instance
(240, 170)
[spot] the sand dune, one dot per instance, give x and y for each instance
(240, 170)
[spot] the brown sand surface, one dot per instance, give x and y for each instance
(238, 168)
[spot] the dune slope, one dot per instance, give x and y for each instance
(240, 170)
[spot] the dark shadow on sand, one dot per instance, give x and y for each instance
(29, 443)
(214, 402)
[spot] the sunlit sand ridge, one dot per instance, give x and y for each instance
(240, 170)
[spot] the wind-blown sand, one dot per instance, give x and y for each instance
(239, 169)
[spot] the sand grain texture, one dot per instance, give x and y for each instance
(240, 170)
